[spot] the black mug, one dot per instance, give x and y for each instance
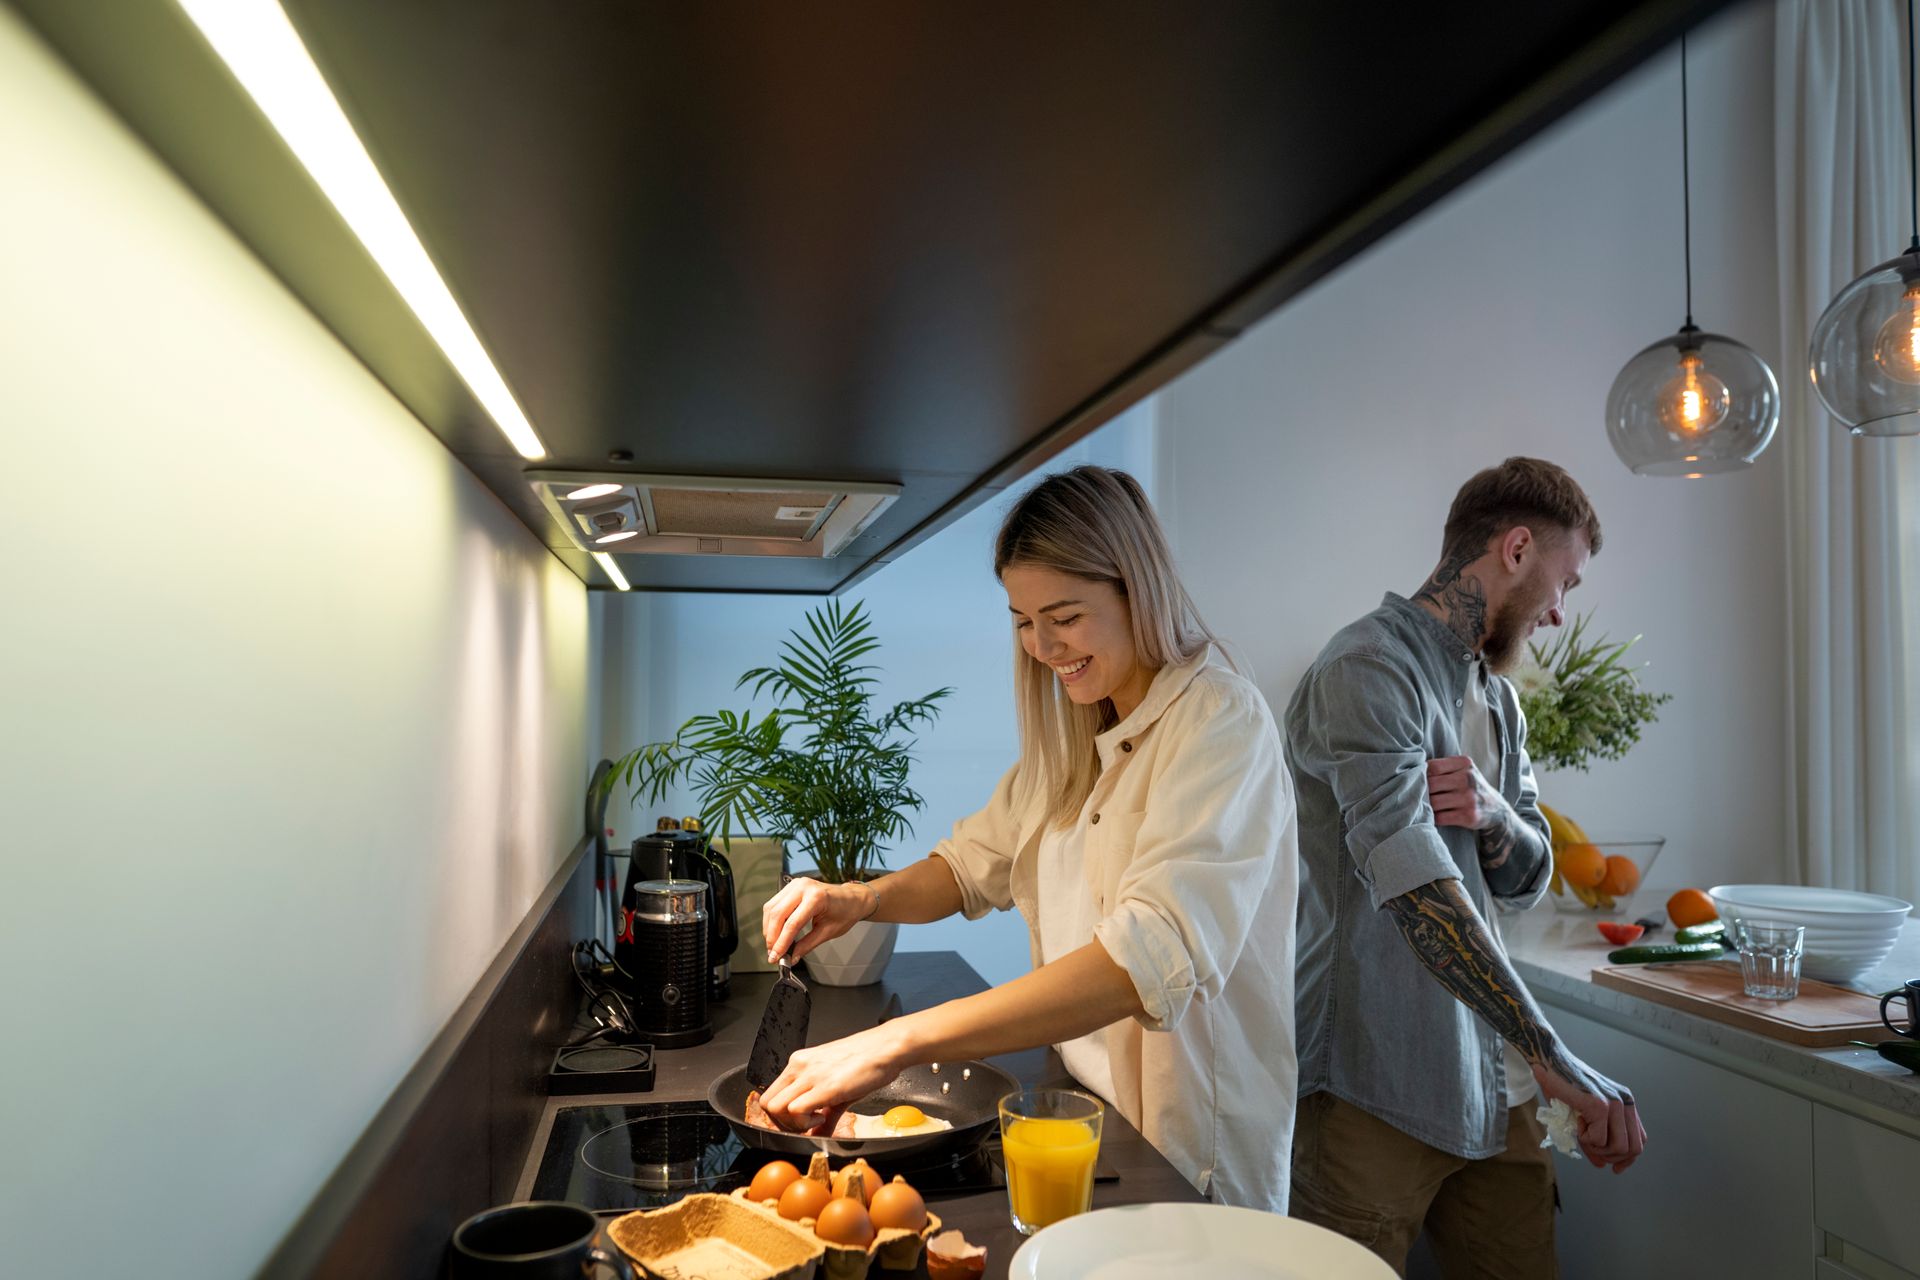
(1911, 991)
(534, 1240)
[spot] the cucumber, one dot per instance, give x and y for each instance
(1666, 951)
(1708, 932)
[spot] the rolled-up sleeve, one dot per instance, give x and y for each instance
(1218, 828)
(1527, 805)
(1360, 734)
(980, 852)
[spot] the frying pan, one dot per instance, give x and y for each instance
(971, 1102)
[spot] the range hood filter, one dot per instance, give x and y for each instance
(709, 515)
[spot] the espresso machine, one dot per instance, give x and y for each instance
(679, 850)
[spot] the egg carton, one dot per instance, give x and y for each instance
(893, 1248)
(717, 1238)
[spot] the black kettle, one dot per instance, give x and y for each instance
(681, 851)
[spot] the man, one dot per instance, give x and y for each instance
(1422, 1056)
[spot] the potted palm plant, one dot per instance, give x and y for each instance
(823, 769)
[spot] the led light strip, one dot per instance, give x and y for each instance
(605, 561)
(259, 45)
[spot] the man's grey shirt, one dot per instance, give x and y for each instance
(1374, 1026)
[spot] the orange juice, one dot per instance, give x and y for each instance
(1049, 1169)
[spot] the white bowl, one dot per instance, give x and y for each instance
(1848, 933)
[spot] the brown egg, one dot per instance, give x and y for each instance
(803, 1198)
(899, 1205)
(773, 1178)
(845, 1221)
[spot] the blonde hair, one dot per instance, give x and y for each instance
(1092, 523)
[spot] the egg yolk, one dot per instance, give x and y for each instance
(904, 1117)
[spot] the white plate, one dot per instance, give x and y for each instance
(1164, 1241)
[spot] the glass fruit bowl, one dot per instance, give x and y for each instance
(1601, 874)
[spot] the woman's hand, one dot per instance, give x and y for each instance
(1609, 1123)
(831, 909)
(819, 1082)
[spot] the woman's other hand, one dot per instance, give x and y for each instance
(820, 1082)
(831, 909)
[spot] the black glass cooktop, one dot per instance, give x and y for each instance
(644, 1155)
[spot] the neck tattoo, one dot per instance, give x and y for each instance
(1458, 597)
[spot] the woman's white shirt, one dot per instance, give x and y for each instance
(1068, 917)
(1190, 864)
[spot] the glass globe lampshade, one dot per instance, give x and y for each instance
(1865, 354)
(1693, 404)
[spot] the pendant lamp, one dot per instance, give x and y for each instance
(1695, 403)
(1865, 355)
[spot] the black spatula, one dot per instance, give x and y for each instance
(783, 1028)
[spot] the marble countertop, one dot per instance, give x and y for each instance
(1556, 952)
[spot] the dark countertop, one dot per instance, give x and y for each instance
(915, 980)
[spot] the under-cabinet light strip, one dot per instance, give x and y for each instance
(260, 46)
(605, 561)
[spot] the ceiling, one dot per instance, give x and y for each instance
(900, 241)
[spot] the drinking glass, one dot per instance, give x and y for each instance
(1769, 957)
(1049, 1140)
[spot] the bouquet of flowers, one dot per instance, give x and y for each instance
(1581, 701)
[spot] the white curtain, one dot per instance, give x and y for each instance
(1853, 505)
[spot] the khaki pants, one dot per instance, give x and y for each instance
(1356, 1174)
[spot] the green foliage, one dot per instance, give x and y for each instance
(1582, 702)
(820, 768)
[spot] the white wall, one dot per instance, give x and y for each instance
(1308, 468)
(942, 620)
(293, 718)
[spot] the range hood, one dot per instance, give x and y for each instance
(635, 515)
(801, 241)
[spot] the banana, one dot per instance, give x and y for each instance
(1565, 830)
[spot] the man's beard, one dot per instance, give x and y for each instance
(1507, 633)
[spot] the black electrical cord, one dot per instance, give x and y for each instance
(1686, 180)
(1913, 171)
(607, 1009)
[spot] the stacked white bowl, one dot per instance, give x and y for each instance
(1848, 933)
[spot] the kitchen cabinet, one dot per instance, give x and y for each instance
(1764, 1159)
(1726, 1183)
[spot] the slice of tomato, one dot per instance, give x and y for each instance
(1620, 935)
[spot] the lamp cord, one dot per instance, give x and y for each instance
(1913, 173)
(1686, 178)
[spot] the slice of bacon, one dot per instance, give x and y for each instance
(759, 1117)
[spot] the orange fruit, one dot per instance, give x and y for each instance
(1622, 876)
(1581, 864)
(1690, 907)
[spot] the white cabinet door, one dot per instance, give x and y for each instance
(1725, 1187)
(1867, 1186)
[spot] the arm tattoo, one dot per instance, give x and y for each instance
(1444, 930)
(1510, 853)
(1458, 595)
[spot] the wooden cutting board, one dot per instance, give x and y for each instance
(1821, 1015)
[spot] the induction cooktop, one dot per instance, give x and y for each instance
(644, 1155)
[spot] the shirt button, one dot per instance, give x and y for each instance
(1096, 819)
(1126, 746)
(1459, 702)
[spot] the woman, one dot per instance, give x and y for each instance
(1146, 834)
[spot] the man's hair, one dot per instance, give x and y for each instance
(1520, 491)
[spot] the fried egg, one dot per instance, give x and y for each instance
(902, 1121)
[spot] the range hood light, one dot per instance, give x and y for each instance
(605, 561)
(265, 54)
(592, 491)
(616, 537)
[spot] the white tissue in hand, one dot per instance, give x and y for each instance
(1563, 1132)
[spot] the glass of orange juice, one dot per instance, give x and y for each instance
(1049, 1139)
